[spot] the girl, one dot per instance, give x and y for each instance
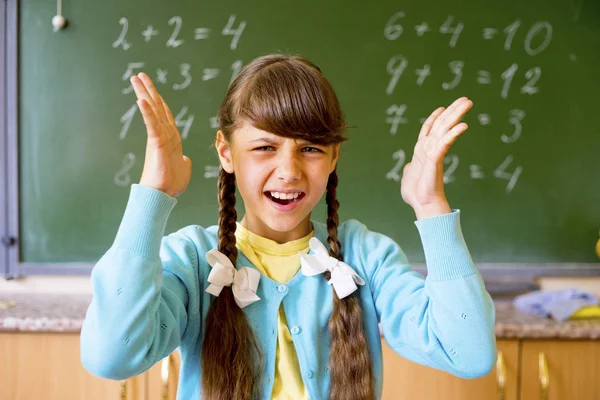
(279, 306)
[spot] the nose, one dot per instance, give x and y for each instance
(288, 168)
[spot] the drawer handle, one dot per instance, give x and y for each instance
(500, 375)
(123, 395)
(164, 376)
(544, 376)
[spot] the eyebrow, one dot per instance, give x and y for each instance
(266, 140)
(275, 141)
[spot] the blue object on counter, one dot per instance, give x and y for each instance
(558, 304)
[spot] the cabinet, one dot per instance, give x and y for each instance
(553, 370)
(405, 380)
(527, 369)
(48, 366)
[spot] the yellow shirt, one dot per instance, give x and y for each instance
(279, 262)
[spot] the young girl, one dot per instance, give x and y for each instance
(280, 306)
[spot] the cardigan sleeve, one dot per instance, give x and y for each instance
(141, 288)
(446, 320)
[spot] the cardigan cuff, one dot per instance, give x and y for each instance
(446, 253)
(144, 221)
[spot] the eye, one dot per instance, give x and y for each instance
(310, 149)
(264, 148)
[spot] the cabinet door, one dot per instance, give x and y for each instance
(405, 380)
(569, 370)
(48, 366)
(163, 378)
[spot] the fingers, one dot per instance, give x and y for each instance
(150, 88)
(143, 86)
(168, 112)
(448, 139)
(429, 122)
(454, 118)
(150, 119)
(158, 110)
(142, 93)
(451, 116)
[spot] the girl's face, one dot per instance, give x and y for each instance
(280, 179)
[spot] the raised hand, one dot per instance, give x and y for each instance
(422, 184)
(165, 167)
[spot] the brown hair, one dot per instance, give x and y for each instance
(288, 96)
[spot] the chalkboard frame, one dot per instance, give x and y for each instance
(516, 276)
(3, 96)
(8, 129)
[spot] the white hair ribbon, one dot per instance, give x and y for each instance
(244, 281)
(343, 278)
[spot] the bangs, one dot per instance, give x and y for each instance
(292, 99)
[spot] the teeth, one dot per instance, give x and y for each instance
(285, 196)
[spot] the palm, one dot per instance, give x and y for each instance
(423, 177)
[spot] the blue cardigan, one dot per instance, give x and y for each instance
(149, 299)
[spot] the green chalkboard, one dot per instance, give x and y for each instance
(526, 175)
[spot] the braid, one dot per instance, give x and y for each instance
(230, 350)
(332, 216)
(349, 356)
(227, 215)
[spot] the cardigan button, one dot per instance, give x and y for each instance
(308, 374)
(281, 288)
(295, 330)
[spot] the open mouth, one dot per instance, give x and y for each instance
(285, 198)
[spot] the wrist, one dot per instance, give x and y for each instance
(155, 187)
(432, 210)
